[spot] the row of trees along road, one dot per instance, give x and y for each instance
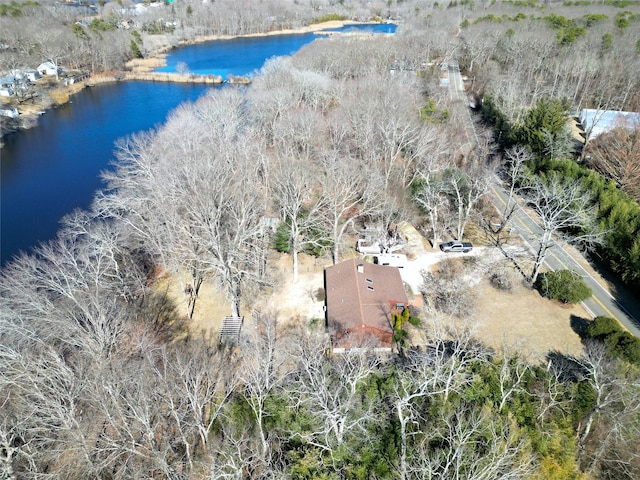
(535, 71)
(102, 378)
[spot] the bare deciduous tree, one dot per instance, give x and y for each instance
(416, 380)
(512, 377)
(327, 389)
(466, 188)
(260, 374)
(432, 199)
(562, 206)
(610, 428)
(350, 190)
(295, 193)
(458, 434)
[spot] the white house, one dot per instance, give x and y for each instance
(6, 86)
(28, 75)
(32, 75)
(14, 82)
(596, 122)
(9, 112)
(48, 68)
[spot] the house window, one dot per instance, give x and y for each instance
(369, 280)
(399, 306)
(369, 287)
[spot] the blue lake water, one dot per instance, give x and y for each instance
(246, 55)
(50, 170)
(236, 56)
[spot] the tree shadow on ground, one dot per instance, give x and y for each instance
(569, 368)
(579, 325)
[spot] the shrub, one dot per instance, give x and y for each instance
(501, 280)
(565, 286)
(320, 295)
(619, 342)
(135, 50)
(282, 238)
(624, 345)
(600, 327)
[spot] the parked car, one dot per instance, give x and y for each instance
(456, 247)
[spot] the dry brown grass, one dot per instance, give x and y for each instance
(520, 319)
(525, 322)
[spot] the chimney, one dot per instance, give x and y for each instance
(360, 268)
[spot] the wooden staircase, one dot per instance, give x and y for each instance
(230, 330)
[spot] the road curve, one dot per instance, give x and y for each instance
(602, 302)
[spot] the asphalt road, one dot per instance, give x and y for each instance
(602, 302)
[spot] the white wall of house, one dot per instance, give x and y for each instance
(48, 68)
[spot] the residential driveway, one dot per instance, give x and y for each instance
(412, 272)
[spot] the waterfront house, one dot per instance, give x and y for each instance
(6, 86)
(26, 76)
(31, 75)
(9, 112)
(49, 68)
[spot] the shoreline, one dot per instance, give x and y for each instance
(158, 58)
(143, 70)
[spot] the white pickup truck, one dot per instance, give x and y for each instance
(456, 247)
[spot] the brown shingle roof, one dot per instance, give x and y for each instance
(360, 297)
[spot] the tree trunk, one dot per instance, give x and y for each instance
(294, 255)
(402, 474)
(540, 256)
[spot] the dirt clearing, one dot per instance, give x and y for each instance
(520, 318)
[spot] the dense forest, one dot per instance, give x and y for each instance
(101, 375)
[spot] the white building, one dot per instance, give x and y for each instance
(596, 122)
(9, 112)
(48, 68)
(30, 75)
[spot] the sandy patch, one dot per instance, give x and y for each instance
(290, 302)
(298, 301)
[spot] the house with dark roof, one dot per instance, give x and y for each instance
(360, 300)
